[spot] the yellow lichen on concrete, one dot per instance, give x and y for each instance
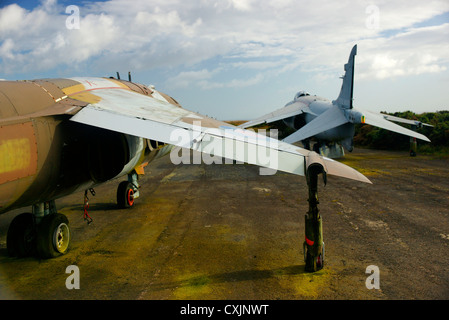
(192, 286)
(306, 285)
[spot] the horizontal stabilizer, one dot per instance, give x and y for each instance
(379, 120)
(332, 118)
(407, 121)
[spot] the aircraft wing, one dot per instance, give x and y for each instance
(329, 119)
(402, 120)
(132, 113)
(381, 121)
(283, 113)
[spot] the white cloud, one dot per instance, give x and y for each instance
(234, 83)
(203, 79)
(213, 44)
(11, 18)
(97, 34)
(6, 49)
(188, 78)
(412, 52)
(242, 5)
(165, 22)
(259, 65)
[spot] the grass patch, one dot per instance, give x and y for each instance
(440, 152)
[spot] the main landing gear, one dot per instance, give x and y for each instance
(44, 233)
(413, 147)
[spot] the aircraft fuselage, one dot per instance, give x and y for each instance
(46, 157)
(316, 106)
(57, 157)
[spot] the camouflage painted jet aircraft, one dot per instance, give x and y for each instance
(331, 123)
(59, 136)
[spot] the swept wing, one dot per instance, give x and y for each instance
(329, 119)
(119, 109)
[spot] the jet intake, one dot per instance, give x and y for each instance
(107, 155)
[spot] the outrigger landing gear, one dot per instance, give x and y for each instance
(44, 232)
(128, 191)
(413, 147)
(313, 244)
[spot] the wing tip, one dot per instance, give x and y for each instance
(342, 170)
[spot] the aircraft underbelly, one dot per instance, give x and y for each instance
(290, 122)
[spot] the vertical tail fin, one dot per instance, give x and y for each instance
(344, 99)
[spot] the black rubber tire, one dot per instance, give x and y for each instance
(21, 236)
(125, 194)
(53, 236)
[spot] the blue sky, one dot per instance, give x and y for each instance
(239, 59)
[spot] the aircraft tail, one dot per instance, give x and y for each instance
(344, 99)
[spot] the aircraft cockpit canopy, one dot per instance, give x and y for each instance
(301, 94)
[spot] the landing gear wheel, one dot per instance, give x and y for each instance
(53, 236)
(21, 237)
(125, 195)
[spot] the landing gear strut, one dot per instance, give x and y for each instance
(44, 233)
(413, 147)
(313, 244)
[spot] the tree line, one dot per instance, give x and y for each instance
(377, 138)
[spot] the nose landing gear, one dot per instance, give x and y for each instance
(128, 191)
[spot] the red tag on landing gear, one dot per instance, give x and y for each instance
(309, 242)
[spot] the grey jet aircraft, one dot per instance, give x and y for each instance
(332, 123)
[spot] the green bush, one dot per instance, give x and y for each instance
(373, 137)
